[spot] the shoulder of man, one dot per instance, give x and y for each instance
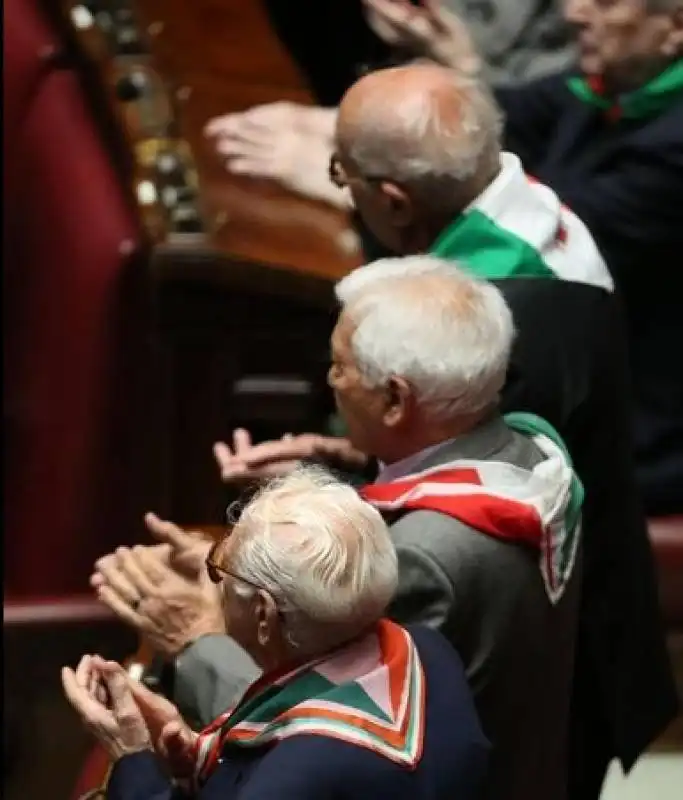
(454, 547)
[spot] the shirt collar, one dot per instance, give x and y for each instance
(408, 465)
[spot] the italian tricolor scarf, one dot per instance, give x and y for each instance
(539, 508)
(647, 101)
(518, 228)
(370, 693)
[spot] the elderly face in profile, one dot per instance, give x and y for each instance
(414, 146)
(626, 41)
(303, 572)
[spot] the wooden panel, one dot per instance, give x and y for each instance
(244, 302)
(212, 57)
(233, 359)
(45, 743)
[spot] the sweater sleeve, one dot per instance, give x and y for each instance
(210, 676)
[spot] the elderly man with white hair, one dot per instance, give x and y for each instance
(349, 705)
(484, 510)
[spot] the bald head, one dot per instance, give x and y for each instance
(430, 322)
(421, 125)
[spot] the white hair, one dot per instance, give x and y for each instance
(432, 323)
(432, 138)
(323, 553)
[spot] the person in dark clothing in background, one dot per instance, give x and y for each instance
(609, 140)
(623, 176)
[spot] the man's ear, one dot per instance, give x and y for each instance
(399, 205)
(266, 616)
(399, 401)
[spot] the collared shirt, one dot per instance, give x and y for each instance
(410, 464)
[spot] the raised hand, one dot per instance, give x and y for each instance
(99, 692)
(283, 142)
(169, 605)
(246, 462)
(282, 115)
(427, 30)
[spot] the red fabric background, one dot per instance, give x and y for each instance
(74, 317)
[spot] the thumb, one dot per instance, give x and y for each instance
(177, 743)
(157, 710)
(166, 532)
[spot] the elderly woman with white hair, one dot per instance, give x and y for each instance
(349, 704)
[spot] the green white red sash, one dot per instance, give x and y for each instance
(519, 228)
(647, 101)
(539, 507)
(370, 693)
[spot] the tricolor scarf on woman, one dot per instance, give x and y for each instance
(647, 101)
(369, 693)
(539, 507)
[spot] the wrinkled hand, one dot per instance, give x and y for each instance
(172, 737)
(162, 591)
(246, 462)
(283, 143)
(428, 30)
(99, 692)
(280, 116)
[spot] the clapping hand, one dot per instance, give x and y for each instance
(126, 717)
(99, 692)
(162, 591)
(246, 462)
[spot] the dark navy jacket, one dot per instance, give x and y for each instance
(624, 179)
(320, 768)
(570, 366)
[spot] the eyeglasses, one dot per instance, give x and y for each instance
(341, 180)
(336, 172)
(217, 572)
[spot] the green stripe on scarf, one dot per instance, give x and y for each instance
(648, 101)
(275, 700)
(489, 250)
(532, 425)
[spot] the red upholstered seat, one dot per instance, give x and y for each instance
(73, 344)
(28, 49)
(666, 535)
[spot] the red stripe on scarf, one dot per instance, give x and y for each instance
(502, 518)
